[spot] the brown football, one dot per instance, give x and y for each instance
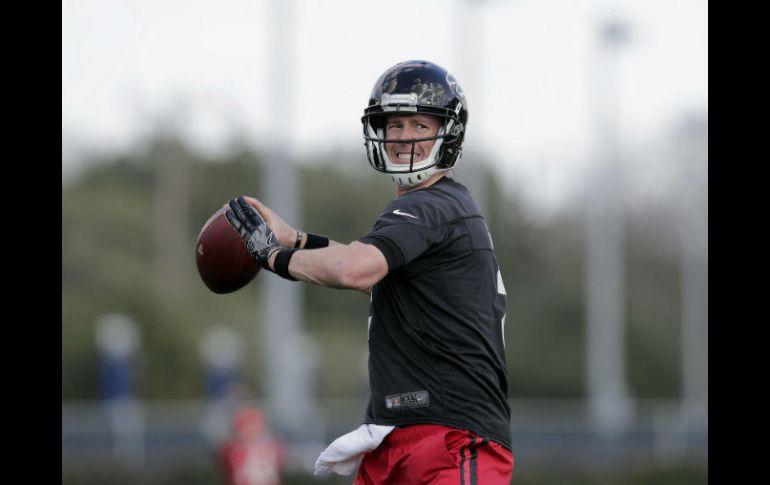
(223, 262)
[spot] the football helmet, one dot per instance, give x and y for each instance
(416, 87)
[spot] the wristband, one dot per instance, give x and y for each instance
(314, 241)
(299, 239)
(281, 263)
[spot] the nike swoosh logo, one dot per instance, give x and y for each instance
(399, 213)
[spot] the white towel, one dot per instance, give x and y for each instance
(344, 455)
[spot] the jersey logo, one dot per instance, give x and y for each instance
(407, 400)
(399, 213)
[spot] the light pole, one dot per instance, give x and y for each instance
(289, 363)
(692, 157)
(468, 52)
(608, 394)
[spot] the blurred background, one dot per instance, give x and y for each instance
(587, 149)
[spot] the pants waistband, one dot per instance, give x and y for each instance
(415, 432)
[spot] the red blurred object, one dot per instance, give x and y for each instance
(252, 456)
(249, 422)
(223, 262)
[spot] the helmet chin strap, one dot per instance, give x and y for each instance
(414, 179)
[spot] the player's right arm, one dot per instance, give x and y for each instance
(356, 266)
(284, 233)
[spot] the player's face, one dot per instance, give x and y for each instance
(408, 127)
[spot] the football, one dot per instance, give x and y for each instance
(223, 262)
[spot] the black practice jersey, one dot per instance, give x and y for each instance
(436, 350)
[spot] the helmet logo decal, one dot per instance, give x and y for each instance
(429, 93)
(452, 82)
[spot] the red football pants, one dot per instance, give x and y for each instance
(429, 453)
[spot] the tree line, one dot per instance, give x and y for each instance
(129, 223)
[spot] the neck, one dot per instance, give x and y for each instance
(435, 178)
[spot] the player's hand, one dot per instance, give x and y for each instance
(284, 233)
(258, 238)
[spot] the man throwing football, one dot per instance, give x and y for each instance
(438, 410)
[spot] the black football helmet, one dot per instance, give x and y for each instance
(416, 87)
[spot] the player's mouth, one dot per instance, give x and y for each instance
(407, 156)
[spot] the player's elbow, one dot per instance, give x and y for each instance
(357, 278)
(363, 269)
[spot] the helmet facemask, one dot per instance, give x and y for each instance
(412, 173)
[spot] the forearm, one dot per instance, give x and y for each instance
(285, 234)
(324, 266)
(303, 236)
(355, 266)
(296, 255)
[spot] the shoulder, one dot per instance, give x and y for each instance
(423, 207)
(443, 201)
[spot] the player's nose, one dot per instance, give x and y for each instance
(407, 133)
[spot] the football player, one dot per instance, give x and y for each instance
(438, 410)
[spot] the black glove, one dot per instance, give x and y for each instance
(258, 238)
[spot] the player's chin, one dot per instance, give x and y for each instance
(401, 161)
